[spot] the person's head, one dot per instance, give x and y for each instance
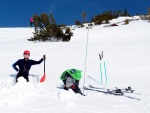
(26, 54)
(31, 19)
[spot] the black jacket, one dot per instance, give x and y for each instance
(25, 65)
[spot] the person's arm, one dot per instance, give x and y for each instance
(14, 66)
(33, 62)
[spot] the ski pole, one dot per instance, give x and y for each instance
(105, 72)
(101, 74)
(101, 77)
(86, 55)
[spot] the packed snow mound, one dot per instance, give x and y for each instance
(66, 94)
(18, 93)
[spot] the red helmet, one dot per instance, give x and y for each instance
(27, 52)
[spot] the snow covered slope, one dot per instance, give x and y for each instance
(126, 53)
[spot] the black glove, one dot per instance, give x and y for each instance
(44, 57)
(66, 88)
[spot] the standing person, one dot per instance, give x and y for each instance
(25, 65)
(71, 79)
(31, 22)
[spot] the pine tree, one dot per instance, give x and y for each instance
(125, 13)
(68, 34)
(148, 11)
(119, 13)
(79, 24)
(46, 29)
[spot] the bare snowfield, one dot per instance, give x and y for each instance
(126, 54)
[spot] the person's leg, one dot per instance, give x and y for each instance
(26, 77)
(18, 75)
(31, 23)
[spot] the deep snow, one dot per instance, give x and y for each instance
(126, 53)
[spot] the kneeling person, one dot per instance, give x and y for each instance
(71, 79)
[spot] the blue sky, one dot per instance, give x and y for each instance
(16, 13)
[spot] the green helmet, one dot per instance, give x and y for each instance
(76, 74)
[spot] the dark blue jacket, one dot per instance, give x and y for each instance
(25, 65)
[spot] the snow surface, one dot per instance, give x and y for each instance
(126, 54)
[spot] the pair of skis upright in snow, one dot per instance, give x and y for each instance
(102, 68)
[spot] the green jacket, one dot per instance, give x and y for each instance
(76, 74)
